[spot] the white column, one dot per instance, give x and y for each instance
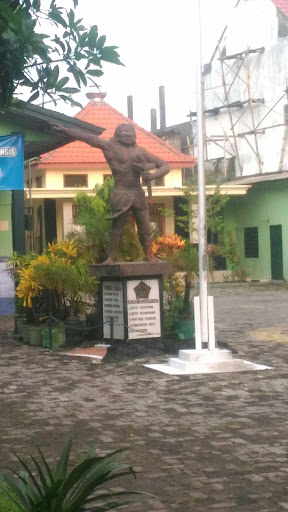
(67, 217)
(202, 233)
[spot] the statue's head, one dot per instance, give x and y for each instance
(125, 134)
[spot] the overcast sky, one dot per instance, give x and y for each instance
(155, 40)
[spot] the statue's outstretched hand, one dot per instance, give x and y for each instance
(56, 126)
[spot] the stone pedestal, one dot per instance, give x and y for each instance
(131, 297)
(193, 362)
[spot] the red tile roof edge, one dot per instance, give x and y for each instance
(176, 157)
(43, 164)
(282, 5)
(150, 134)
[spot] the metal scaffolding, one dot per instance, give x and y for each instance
(241, 67)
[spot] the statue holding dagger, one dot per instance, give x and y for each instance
(128, 163)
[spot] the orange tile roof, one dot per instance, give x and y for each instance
(282, 5)
(102, 114)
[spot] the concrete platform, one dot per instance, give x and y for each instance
(131, 269)
(193, 362)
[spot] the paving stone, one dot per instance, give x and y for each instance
(198, 443)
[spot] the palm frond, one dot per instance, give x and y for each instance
(57, 490)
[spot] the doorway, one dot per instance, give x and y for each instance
(276, 252)
(50, 220)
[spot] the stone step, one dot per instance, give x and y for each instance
(205, 355)
(230, 365)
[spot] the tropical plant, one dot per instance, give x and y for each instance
(166, 247)
(55, 282)
(187, 261)
(6, 505)
(17, 263)
(184, 259)
(42, 488)
(231, 253)
(130, 248)
(91, 232)
(215, 204)
(188, 211)
(31, 59)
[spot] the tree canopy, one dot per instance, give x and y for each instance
(54, 64)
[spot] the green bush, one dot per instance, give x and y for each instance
(6, 505)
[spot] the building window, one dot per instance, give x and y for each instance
(187, 176)
(158, 183)
(75, 180)
(251, 245)
(38, 181)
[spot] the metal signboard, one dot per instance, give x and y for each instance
(143, 304)
(12, 162)
(113, 308)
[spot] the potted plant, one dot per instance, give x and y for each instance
(25, 317)
(52, 285)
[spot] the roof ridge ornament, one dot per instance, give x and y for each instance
(94, 96)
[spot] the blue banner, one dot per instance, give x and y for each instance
(12, 162)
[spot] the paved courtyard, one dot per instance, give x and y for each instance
(205, 443)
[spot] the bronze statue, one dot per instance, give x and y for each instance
(128, 163)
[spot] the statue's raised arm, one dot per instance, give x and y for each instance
(77, 134)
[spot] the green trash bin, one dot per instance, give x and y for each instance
(58, 336)
(35, 334)
(185, 329)
(20, 320)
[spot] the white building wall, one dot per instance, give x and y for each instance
(254, 24)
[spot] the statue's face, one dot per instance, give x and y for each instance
(125, 134)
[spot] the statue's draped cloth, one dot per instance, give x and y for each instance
(124, 198)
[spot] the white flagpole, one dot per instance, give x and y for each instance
(202, 231)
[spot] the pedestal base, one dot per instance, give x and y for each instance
(193, 362)
(131, 269)
(131, 298)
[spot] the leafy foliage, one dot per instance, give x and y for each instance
(54, 282)
(91, 232)
(231, 253)
(6, 505)
(215, 205)
(130, 248)
(166, 247)
(184, 258)
(45, 63)
(41, 488)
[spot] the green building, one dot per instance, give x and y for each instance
(259, 221)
